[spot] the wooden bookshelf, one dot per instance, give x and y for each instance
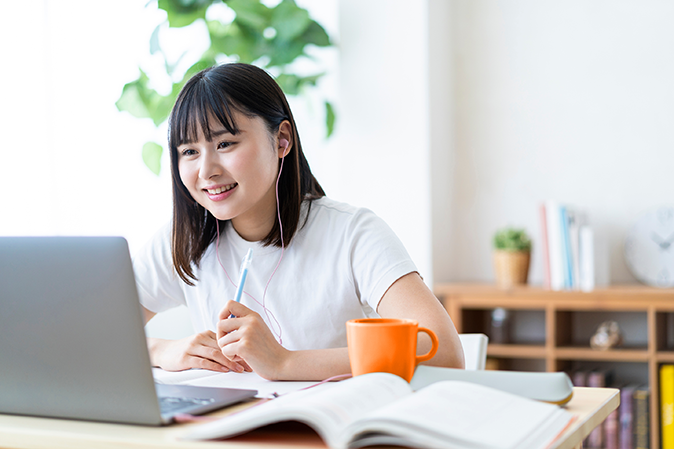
(557, 347)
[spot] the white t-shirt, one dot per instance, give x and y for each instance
(337, 267)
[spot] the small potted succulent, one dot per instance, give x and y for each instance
(512, 252)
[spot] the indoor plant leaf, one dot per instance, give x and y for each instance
(251, 14)
(289, 20)
(131, 101)
(181, 13)
(152, 156)
(316, 35)
(329, 119)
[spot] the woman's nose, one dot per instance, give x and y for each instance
(210, 166)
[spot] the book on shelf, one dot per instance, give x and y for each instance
(628, 426)
(568, 247)
(641, 427)
(382, 409)
(575, 219)
(586, 258)
(567, 262)
(579, 378)
(554, 235)
(626, 411)
(545, 247)
(611, 427)
(667, 406)
(597, 379)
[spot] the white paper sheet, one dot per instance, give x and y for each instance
(204, 378)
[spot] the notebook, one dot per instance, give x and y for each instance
(72, 343)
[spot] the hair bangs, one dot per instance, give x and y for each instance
(199, 106)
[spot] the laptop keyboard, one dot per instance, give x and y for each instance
(169, 404)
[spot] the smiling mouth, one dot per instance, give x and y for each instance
(222, 189)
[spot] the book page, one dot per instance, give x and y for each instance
(462, 414)
(328, 408)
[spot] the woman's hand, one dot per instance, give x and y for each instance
(246, 339)
(196, 351)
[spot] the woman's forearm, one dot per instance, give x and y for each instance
(154, 348)
(315, 364)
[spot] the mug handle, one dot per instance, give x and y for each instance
(434, 349)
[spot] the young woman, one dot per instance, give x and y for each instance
(240, 182)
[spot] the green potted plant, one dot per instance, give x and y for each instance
(512, 253)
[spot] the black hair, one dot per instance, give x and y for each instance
(216, 93)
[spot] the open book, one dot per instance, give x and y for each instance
(381, 408)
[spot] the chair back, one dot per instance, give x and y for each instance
(474, 350)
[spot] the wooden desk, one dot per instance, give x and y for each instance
(591, 405)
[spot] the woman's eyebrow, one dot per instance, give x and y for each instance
(219, 132)
(214, 133)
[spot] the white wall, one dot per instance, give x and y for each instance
(564, 100)
(70, 162)
(380, 156)
(441, 81)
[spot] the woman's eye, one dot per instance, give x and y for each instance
(223, 145)
(188, 152)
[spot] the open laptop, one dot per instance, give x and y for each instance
(72, 343)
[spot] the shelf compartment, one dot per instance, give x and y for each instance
(516, 364)
(664, 325)
(521, 326)
(615, 355)
(617, 373)
(516, 351)
(576, 327)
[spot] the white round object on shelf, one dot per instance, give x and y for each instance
(649, 248)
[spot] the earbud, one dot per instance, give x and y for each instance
(284, 143)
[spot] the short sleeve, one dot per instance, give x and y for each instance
(159, 287)
(378, 257)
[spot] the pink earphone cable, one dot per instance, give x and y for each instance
(280, 224)
(187, 418)
(268, 313)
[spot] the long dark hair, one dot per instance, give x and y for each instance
(216, 93)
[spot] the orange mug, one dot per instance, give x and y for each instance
(386, 345)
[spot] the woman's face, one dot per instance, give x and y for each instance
(234, 176)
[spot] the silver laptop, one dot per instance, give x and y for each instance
(72, 343)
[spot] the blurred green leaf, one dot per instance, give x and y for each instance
(184, 12)
(289, 20)
(143, 102)
(170, 68)
(316, 35)
(131, 102)
(154, 40)
(290, 84)
(251, 14)
(196, 68)
(293, 84)
(152, 156)
(329, 119)
(283, 52)
(236, 39)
